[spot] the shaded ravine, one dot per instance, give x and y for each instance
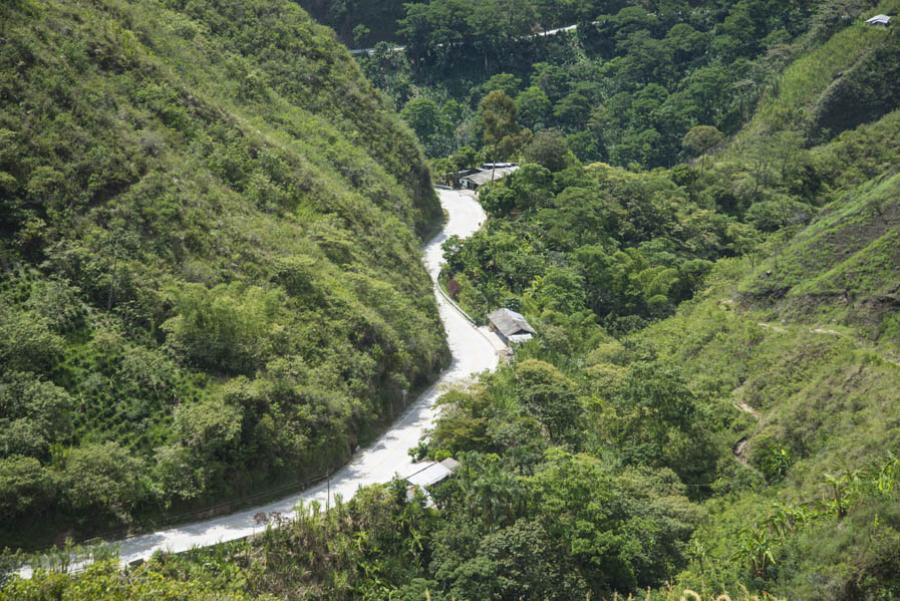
(399, 48)
(473, 349)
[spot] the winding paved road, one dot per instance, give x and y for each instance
(474, 350)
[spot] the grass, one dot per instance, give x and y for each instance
(789, 105)
(845, 264)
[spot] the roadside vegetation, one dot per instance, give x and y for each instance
(710, 256)
(210, 278)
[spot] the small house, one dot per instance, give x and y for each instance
(425, 478)
(511, 327)
(461, 174)
(879, 21)
(489, 172)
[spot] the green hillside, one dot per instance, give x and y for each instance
(772, 389)
(710, 255)
(775, 381)
(210, 269)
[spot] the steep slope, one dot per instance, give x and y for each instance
(711, 398)
(210, 277)
(798, 356)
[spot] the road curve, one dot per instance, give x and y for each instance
(474, 350)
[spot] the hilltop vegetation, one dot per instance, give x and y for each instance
(210, 274)
(645, 84)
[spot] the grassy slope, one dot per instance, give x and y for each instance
(821, 75)
(159, 159)
(802, 359)
(798, 350)
(819, 390)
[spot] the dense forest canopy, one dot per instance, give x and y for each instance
(358, 23)
(705, 233)
(210, 279)
(637, 83)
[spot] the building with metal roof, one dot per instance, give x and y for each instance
(428, 476)
(511, 327)
(492, 173)
(433, 473)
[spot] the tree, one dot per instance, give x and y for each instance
(507, 83)
(548, 395)
(178, 473)
(779, 212)
(702, 138)
(661, 423)
(559, 289)
(463, 424)
(390, 70)
(497, 26)
(625, 530)
(26, 341)
(498, 117)
(33, 415)
(434, 32)
(430, 123)
(549, 149)
(552, 79)
(586, 145)
(226, 328)
(423, 115)
(533, 108)
(573, 111)
(580, 216)
(360, 34)
(464, 157)
(519, 562)
(25, 487)
(103, 477)
(210, 427)
(531, 186)
(686, 42)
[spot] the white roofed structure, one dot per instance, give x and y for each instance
(434, 473)
(493, 172)
(879, 20)
(428, 476)
(510, 326)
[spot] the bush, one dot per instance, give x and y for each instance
(225, 329)
(702, 138)
(102, 477)
(549, 149)
(25, 487)
(772, 215)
